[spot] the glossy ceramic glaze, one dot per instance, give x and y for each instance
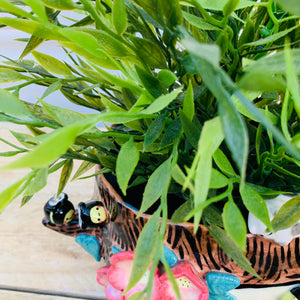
(120, 228)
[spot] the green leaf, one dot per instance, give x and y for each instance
(84, 167)
(38, 9)
(33, 42)
(181, 212)
(166, 77)
(171, 133)
(234, 127)
(231, 249)
(292, 78)
(14, 9)
(37, 183)
(271, 38)
(234, 224)
(54, 145)
(292, 6)
(10, 104)
(217, 180)
(188, 103)
(149, 52)
(211, 137)
(119, 16)
(223, 163)
(8, 75)
(161, 102)
(126, 162)
(191, 131)
(219, 4)
(255, 204)
(199, 22)
(52, 88)
(60, 4)
(63, 116)
(288, 214)
(51, 64)
(11, 192)
(230, 7)
(157, 183)
(145, 250)
(154, 131)
(65, 175)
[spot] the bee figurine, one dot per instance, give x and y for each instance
(91, 214)
(59, 210)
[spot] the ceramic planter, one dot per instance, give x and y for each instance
(108, 225)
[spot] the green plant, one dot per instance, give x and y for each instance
(204, 98)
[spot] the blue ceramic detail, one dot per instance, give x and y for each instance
(219, 284)
(170, 256)
(115, 250)
(90, 244)
(131, 207)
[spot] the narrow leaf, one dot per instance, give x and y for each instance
(51, 64)
(126, 162)
(231, 249)
(161, 102)
(145, 250)
(154, 130)
(65, 175)
(288, 214)
(157, 183)
(37, 183)
(8, 75)
(119, 16)
(255, 204)
(234, 224)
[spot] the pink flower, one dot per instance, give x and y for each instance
(115, 278)
(191, 284)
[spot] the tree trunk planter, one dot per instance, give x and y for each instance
(119, 229)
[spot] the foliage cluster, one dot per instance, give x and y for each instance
(204, 98)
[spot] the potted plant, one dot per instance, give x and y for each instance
(201, 105)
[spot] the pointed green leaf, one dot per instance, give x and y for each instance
(230, 7)
(119, 16)
(65, 175)
(171, 133)
(37, 183)
(191, 131)
(235, 224)
(157, 183)
(33, 42)
(149, 52)
(161, 102)
(38, 9)
(231, 249)
(188, 103)
(51, 64)
(84, 167)
(145, 249)
(8, 75)
(272, 38)
(126, 162)
(14, 9)
(10, 104)
(217, 180)
(211, 137)
(199, 22)
(288, 214)
(52, 88)
(154, 130)
(255, 204)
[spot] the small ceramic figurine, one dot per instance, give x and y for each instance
(282, 237)
(59, 210)
(91, 214)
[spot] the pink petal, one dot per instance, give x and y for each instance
(113, 294)
(119, 273)
(102, 275)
